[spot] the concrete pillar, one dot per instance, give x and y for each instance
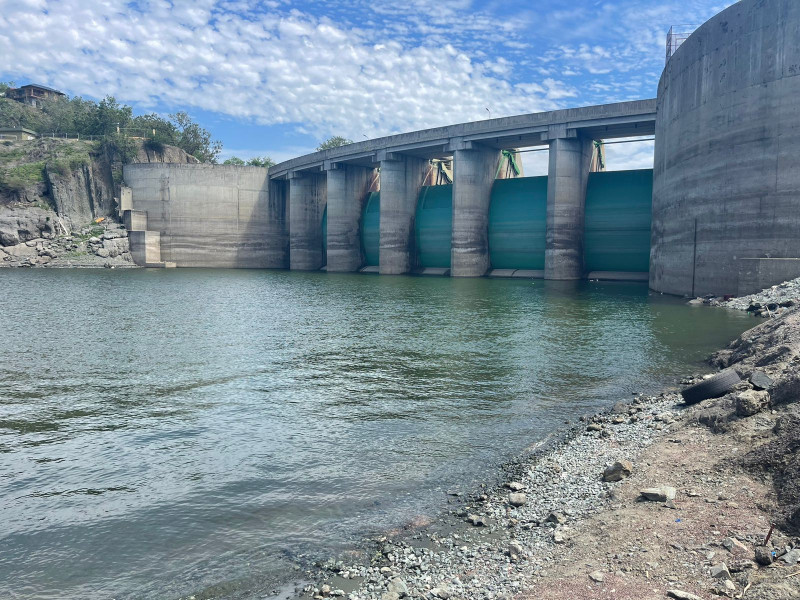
(306, 205)
(474, 171)
(401, 178)
(347, 189)
(568, 173)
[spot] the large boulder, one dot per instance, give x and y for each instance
(18, 225)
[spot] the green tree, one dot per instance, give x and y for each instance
(109, 115)
(4, 85)
(16, 114)
(156, 128)
(194, 139)
(261, 161)
(334, 142)
(234, 160)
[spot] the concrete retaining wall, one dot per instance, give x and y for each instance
(212, 215)
(756, 274)
(727, 169)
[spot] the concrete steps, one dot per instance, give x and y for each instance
(145, 245)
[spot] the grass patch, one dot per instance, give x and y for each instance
(94, 231)
(21, 176)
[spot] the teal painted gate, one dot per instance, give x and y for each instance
(325, 236)
(371, 229)
(434, 223)
(617, 226)
(517, 223)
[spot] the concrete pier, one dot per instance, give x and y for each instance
(347, 188)
(568, 173)
(307, 196)
(401, 179)
(474, 170)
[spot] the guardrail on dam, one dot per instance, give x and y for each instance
(725, 187)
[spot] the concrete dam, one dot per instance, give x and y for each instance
(718, 214)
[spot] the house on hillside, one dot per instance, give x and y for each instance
(17, 134)
(33, 94)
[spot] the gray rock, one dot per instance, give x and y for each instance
(441, 592)
(556, 517)
(515, 486)
(751, 402)
(618, 471)
(515, 550)
(658, 494)
(681, 595)
(517, 499)
(761, 381)
(792, 557)
(724, 588)
(763, 555)
(20, 251)
(597, 576)
(720, 571)
(398, 586)
(103, 252)
(736, 547)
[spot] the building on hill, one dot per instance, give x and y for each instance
(33, 94)
(17, 134)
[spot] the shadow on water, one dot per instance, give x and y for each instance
(218, 423)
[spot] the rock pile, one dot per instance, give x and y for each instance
(105, 246)
(770, 302)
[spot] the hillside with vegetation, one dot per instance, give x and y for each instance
(61, 184)
(112, 122)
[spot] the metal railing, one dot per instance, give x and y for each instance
(676, 36)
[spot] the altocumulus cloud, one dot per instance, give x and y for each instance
(261, 62)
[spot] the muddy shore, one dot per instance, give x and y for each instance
(551, 527)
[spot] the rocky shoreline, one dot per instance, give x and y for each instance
(770, 302)
(652, 499)
(98, 246)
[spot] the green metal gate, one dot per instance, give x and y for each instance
(434, 224)
(617, 226)
(518, 223)
(371, 229)
(325, 236)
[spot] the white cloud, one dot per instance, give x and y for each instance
(629, 154)
(264, 66)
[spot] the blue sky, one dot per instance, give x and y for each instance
(277, 77)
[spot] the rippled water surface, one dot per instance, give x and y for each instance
(169, 432)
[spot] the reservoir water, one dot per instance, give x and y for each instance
(173, 432)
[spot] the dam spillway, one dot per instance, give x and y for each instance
(617, 225)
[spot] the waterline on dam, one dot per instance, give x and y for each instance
(166, 432)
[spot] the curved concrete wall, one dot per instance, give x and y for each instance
(727, 163)
(213, 215)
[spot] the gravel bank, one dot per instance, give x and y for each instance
(770, 302)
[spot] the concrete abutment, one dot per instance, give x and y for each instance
(346, 191)
(474, 172)
(401, 179)
(307, 198)
(568, 173)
